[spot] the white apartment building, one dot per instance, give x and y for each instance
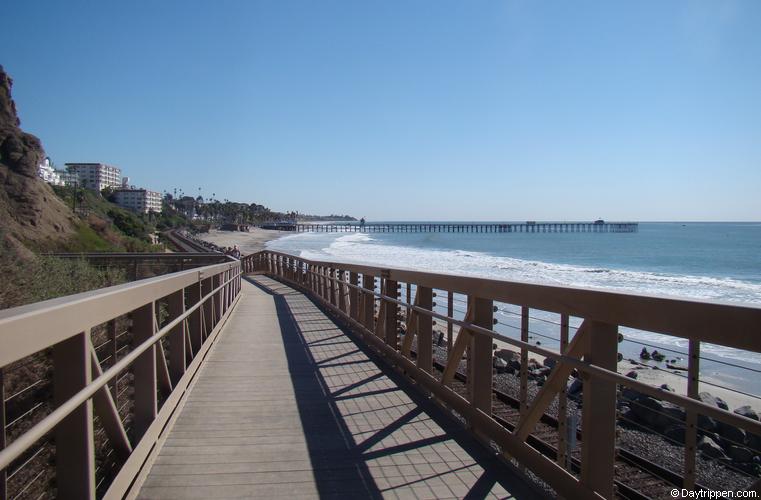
(138, 200)
(50, 175)
(96, 176)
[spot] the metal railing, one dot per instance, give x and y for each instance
(146, 265)
(368, 299)
(173, 320)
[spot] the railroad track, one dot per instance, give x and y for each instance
(184, 244)
(636, 477)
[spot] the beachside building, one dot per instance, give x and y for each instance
(49, 174)
(96, 176)
(138, 200)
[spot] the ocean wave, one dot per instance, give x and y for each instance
(472, 263)
(361, 248)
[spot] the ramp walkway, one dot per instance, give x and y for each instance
(288, 405)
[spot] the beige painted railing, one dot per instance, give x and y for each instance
(351, 291)
(173, 321)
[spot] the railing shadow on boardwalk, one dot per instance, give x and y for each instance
(322, 420)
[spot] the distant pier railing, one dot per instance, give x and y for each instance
(512, 227)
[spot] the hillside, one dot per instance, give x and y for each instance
(34, 219)
(30, 213)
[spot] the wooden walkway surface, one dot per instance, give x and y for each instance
(288, 405)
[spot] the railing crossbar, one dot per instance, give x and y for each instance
(686, 402)
(47, 424)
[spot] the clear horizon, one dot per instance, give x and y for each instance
(396, 111)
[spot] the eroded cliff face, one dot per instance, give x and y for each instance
(30, 213)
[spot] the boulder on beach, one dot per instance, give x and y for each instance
(549, 362)
(506, 354)
(499, 364)
(675, 433)
(747, 412)
(706, 424)
(576, 387)
(631, 395)
(656, 414)
(712, 400)
(733, 435)
(740, 454)
(754, 441)
(709, 448)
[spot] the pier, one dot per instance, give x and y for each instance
(465, 227)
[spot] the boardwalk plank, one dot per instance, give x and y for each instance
(288, 405)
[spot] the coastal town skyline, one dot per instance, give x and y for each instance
(502, 111)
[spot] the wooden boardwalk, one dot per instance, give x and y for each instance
(288, 405)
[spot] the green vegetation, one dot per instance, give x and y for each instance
(37, 278)
(107, 227)
(87, 240)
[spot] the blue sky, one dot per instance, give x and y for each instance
(444, 110)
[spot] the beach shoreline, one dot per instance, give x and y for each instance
(248, 242)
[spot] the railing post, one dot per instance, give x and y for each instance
(342, 291)
(326, 283)
(74, 438)
(114, 352)
(353, 294)
(480, 352)
(216, 299)
(3, 473)
(424, 299)
(391, 318)
(195, 323)
(368, 302)
(144, 369)
(523, 391)
(598, 446)
(177, 351)
(562, 457)
(331, 285)
(208, 307)
(450, 313)
(691, 429)
(225, 292)
(301, 275)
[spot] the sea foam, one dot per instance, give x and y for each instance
(362, 248)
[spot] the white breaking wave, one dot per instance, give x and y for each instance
(361, 249)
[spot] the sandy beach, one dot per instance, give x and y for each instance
(248, 242)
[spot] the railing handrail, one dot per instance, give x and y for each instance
(725, 323)
(30, 328)
(738, 420)
(376, 315)
(134, 255)
(44, 426)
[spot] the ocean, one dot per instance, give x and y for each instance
(706, 261)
